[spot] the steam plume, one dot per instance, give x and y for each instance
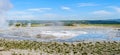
(5, 6)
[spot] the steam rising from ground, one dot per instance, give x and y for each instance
(5, 6)
(42, 33)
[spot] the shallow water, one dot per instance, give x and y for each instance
(98, 35)
(92, 34)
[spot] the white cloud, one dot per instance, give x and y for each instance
(21, 17)
(65, 8)
(115, 8)
(29, 11)
(18, 13)
(45, 16)
(101, 12)
(27, 14)
(86, 4)
(39, 9)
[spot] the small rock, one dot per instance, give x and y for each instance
(2, 49)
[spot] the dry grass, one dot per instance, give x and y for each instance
(58, 48)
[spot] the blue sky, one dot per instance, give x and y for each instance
(64, 9)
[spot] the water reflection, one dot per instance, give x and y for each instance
(98, 35)
(118, 33)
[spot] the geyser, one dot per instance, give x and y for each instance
(5, 5)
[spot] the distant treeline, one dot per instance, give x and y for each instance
(65, 22)
(94, 21)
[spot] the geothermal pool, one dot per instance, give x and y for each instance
(61, 34)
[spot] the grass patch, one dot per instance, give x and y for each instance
(102, 25)
(100, 48)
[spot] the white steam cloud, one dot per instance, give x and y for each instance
(5, 5)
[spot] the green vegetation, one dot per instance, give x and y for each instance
(18, 24)
(36, 23)
(101, 25)
(78, 48)
(69, 24)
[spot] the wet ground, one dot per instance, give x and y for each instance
(89, 34)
